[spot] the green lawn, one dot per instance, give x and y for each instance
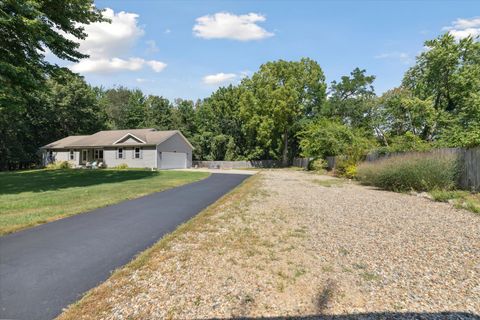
(29, 198)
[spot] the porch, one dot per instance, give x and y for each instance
(89, 156)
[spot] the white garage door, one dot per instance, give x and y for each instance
(173, 160)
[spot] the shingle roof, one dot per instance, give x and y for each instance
(63, 143)
(114, 137)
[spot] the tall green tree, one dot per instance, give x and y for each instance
(351, 99)
(218, 119)
(159, 113)
(281, 94)
(448, 73)
(27, 30)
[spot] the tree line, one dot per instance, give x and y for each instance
(285, 109)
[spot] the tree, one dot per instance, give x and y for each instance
(448, 73)
(73, 106)
(351, 99)
(27, 30)
(281, 94)
(403, 112)
(184, 117)
(322, 137)
(159, 113)
(219, 114)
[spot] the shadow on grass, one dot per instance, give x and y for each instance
(374, 316)
(46, 180)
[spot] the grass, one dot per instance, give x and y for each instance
(29, 198)
(329, 182)
(96, 301)
(419, 172)
(460, 199)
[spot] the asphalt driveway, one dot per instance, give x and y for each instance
(46, 268)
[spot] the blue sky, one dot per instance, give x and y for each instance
(153, 46)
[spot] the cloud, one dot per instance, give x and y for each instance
(115, 38)
(224, 25)
(157, 66)
(105, 65)
(109, 46)
(167, 31)
(219, 78)
(143, 80)
(402, 56)
(462, 28)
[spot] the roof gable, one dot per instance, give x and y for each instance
(129, 138)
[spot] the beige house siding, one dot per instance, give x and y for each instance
(150, 157)
(175, 144)
(146, 161)
(61, 155)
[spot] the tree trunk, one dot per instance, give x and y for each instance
(285, 149)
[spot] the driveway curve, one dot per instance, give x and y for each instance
(46, 268)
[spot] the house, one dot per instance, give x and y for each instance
(138, 148)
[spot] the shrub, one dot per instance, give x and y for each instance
(419, 172)
(122, 166)
(59, 165)
(324, 137)
(319, 165)
(346, 167)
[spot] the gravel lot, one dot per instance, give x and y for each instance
(287, 243)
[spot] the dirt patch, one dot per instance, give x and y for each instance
(283, 244)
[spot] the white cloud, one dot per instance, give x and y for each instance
(105, 65)
(157, 66)
(402, 56)
(462, 28)
(167, 31)
(219, 78)
(115, 38)
(224, 25)
(109, 44)
(143, 80)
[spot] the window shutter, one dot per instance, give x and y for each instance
(141, 153)
(116, 154)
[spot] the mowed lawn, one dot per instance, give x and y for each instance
(29, 198)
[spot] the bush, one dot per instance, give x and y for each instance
(122, 166)
(319, 165)
(419, 172)
(59, 165)
(346, 167)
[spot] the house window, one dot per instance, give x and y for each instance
(50, 155)
(98, 154)
(137, 153)
(72, 155)
(120, 153)
(84, 156)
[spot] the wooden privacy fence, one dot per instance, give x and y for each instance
(469, 163)
(301, 162)
(297, 162)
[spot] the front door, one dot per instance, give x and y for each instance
(83, 158)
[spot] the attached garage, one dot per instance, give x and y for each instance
(173, 160)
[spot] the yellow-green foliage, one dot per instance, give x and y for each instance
(419, 172)
(59, 165)
(351, 171)
(319, 165)
(122, 166)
